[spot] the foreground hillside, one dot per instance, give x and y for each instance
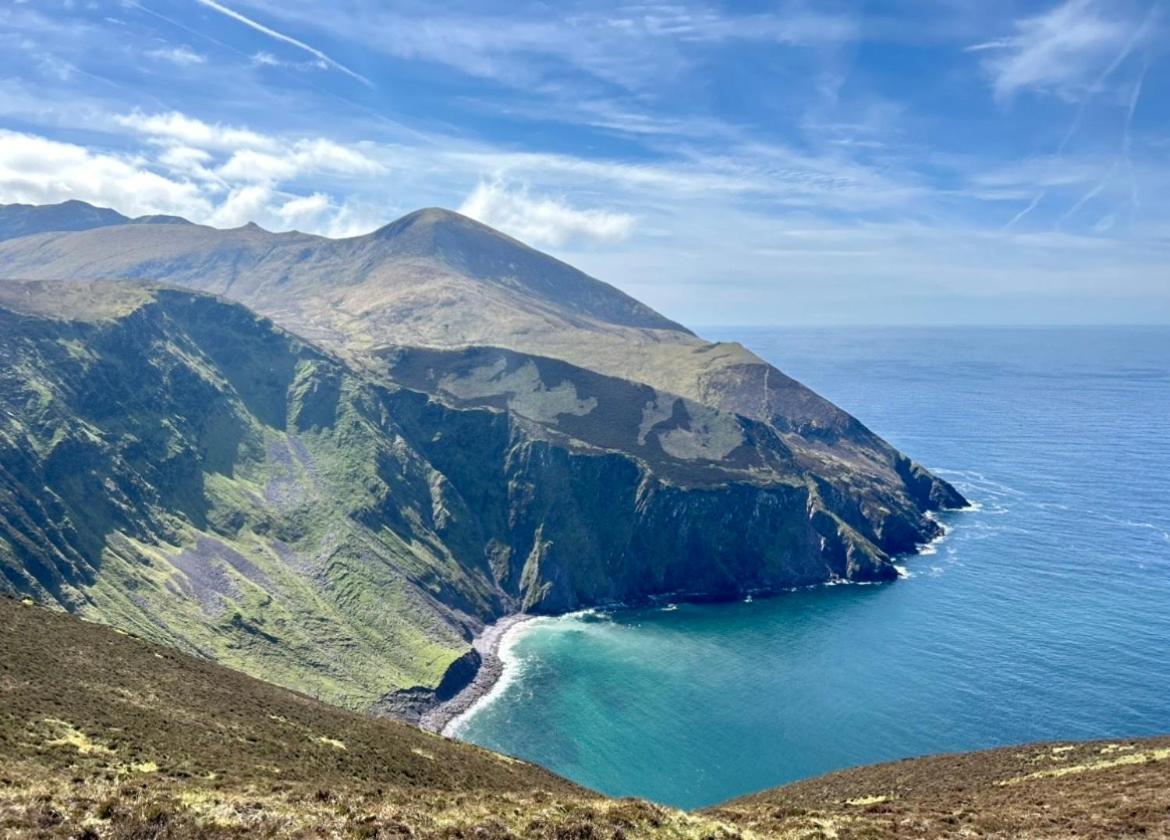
(1106, 789)
(103, 735)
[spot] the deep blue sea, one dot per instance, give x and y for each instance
(1044, 614)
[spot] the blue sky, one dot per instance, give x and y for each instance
(951, 161)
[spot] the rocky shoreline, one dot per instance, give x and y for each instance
(487, 645)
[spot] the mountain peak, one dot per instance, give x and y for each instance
(428, 219)
(434, 215)
(466, 246)
(160, 219)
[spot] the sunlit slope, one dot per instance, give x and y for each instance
(1096, 789)
(177, 466)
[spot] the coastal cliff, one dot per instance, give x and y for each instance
(415, 434)
(176, 465)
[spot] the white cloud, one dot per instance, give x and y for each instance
(301, 157)
(243, 205)
(181, 55)
(185, 180)
(252, 157)
(38, 170)
(323, 154)
(1061, 51)
(179, 128)
(251, 165)
(306, 211)
(543, 221)
(263, 58)
(186, 160)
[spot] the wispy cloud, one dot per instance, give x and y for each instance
(264, 58)
(633, 47)
(1062, 51)
(1074, 51)
(297, 158)
(287, 39)
(181, 55)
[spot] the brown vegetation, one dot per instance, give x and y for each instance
(103, 735)
(1105, 789)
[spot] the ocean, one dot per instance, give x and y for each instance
(1044, 614)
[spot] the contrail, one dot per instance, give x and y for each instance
(1126, 132)
(1036, 199)
(280, 36)
(1136, 36)
(1090, 195)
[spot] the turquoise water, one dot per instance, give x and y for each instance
(1044, 614)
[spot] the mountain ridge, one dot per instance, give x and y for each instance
(371, 301)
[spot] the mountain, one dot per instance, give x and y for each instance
(414, 433)
(18, 220)
(436, 279)
(103, 735)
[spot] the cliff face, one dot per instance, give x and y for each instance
(446, 426)
(572, 523)
(181, 468)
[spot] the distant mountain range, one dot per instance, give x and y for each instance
(328, 463)
(28, 219)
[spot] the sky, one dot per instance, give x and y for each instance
(746, 163)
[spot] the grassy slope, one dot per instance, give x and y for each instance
(104, 735)
(174, 466)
